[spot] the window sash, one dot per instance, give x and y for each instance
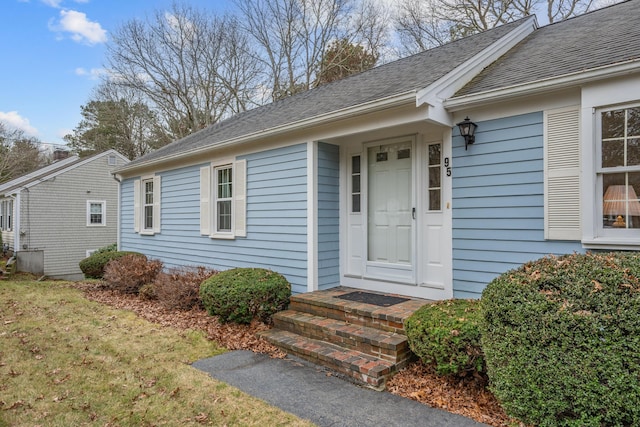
(618, 171)
(147, 205)
(224, 198)
(96, 213)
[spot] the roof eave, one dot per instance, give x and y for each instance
(541, 86)
(438, 92)
(345, 113)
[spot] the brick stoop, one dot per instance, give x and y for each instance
(364, 341)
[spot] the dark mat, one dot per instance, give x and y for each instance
(374, 299)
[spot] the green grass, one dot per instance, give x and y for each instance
(67, 361)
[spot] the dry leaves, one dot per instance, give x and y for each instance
(417, 381)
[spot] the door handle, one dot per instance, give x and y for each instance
(413, 213)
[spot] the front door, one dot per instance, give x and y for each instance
(390, 211)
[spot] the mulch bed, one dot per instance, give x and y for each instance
(467, 397)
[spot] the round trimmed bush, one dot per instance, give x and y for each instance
(446, 334)
(561, 337)
(242, 294)
(93, 266)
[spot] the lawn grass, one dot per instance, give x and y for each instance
(67, 361)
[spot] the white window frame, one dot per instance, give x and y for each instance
(597, 97)
(6, 215)
(619, 234)
(217, 199)
(209, 199)
(103, 213)
(112, 160)
(139, 223)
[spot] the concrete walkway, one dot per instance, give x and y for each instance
(312, 393)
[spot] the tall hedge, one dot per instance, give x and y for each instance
(561, 338)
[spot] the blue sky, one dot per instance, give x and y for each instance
(51, 53)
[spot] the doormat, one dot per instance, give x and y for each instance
(374, 299)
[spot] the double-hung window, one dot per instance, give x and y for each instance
(146, 195)
(222, 200)
(618, 171)
(96, 210)
(6, 215)
(147, 204)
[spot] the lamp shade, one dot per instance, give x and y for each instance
(621, 200)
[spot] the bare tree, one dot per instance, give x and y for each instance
(192, 66)
(292, 36)
(19, 153)
(423, 24)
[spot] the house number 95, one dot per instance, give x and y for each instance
(447, 166)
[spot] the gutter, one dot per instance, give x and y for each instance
(369, 107)
(540, 86)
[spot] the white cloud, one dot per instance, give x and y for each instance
(92, 74)
(81, 29)
(15, 121)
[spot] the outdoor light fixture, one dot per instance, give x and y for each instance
(467, 130)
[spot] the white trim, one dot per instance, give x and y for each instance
(597, 97)
(544, 85)
(369, 107)
(312, 216)
(435, 94)
(57, 168)
(16, 223)
(103, 204)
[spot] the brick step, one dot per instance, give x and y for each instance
(327, 304)
(364, 368)
(385, 345)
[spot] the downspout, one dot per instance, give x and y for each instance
(118, 213)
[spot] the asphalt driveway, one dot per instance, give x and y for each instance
(315, 394)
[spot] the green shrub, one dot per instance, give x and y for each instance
(93, 265)
(561, 338)
(109, 248)
(131, 272)
(241, 294)
(446, 334)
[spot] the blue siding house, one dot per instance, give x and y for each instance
(366, 182)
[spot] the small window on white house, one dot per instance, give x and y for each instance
(6, 215)
(96, 213)
(112, 160)
(619, 169)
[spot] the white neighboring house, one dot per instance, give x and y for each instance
(54, 217)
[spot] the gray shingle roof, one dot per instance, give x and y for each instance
(603, 37)
(412, 73)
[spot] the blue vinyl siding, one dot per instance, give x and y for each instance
(276, 219)
(498, 203)
(328, 216)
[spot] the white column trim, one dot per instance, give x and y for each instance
(312, 216)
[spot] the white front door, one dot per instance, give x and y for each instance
(398, 217)
(390, 211)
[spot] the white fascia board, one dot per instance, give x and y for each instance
(436, 94)
(68, 168)
(345, 113)
(541, 86)
(16, 182)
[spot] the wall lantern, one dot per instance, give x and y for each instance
(467, 130)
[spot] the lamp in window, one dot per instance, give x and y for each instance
(620, 201)
(467, 131)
